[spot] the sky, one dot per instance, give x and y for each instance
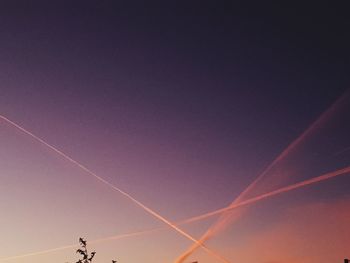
(182, 106)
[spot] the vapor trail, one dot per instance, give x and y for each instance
(88, 171)
(38, 253)
(249, 201)
(47, 251)
(225, 219)
(272, 193)
(342, 151)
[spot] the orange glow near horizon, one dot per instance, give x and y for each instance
(246, 202)
(228, 214)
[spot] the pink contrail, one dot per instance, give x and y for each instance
(47, 251)
(225, 219)
(285, 189)
(88, 171)
(253, 200)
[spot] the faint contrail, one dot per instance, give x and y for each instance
(342, 151)
(225, 219)
(88, 171)
(256, 199)
(38, 253)
(47, 251)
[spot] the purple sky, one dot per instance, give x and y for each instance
(180, 106)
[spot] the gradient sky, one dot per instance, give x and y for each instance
(181, 105)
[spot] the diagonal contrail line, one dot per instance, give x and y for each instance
(88, 171)
(256, 199)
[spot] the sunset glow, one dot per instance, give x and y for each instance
(174, 133)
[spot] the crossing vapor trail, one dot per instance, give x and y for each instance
(226, 219)
(249, 201)
(88, 171)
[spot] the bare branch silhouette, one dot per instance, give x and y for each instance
(83, 251)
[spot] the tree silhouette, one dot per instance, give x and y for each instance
(83, 251)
